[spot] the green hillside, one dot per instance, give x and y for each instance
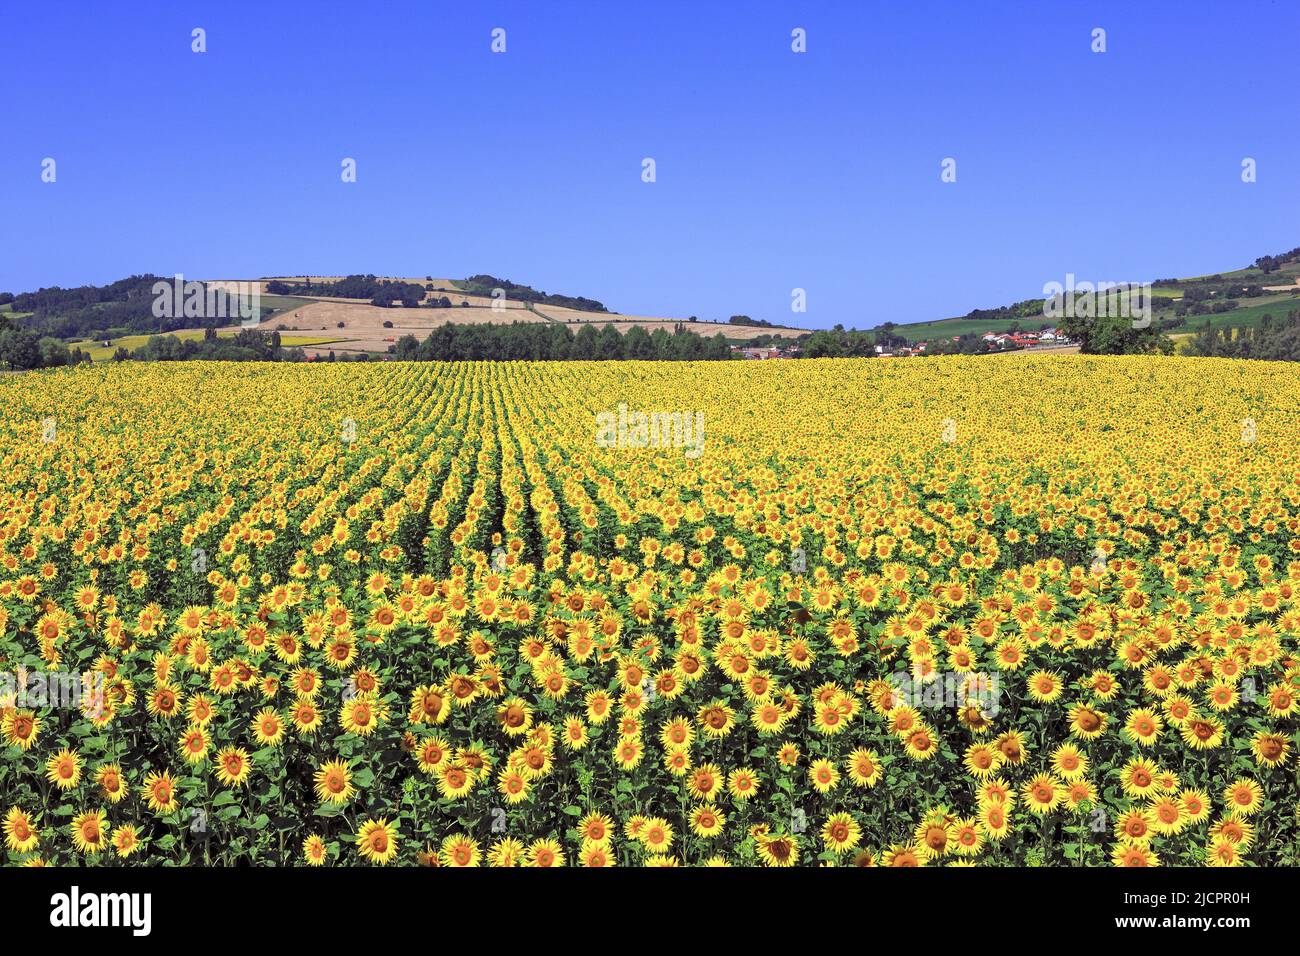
(1235, 299)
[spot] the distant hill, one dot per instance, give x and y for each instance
(1235, 299)
(345, 314)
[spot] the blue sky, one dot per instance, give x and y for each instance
(775, 170)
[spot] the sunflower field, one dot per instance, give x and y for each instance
(1009, 611)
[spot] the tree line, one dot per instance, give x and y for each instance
(22, 350)
(381, 292)
(544, 341)
(246, 345)
(1270, 340)
(484, 285)
(386, 292)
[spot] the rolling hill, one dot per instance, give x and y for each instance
(358, 325)
(1235, 299)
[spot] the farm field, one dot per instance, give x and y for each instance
(897, 613)
(363, 327)
(1248, 316)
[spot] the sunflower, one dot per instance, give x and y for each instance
(543, 853)
(841, 832)
(1283, 699)
(514, 716)
(1085, 721)
(1042, 794)
(125, 840)
(657, 835)
(1138, 777)
(777, 851)
(676, 732)
(268, 727)
(232, 766)
(1045, 686)
(1167, 816)
(967, 840)
(1179, 709)
(594, 855)
(996, 820)
(596, 828)
(362, 715)
(996, 790)
(707, 821)
(1133, 854)
(1079, 792)
(1013, 747)
(454, 780)
(628, 753)
(194, 745)
(159, 791)
(88, 831)
(377, 840)
(64, 769)
(200, 710)
(1196, 805)
(1222, 853)
(165, 701)
(1243, 796)
(575, 735)
(920, 744)
(506, 852)
(863, 767)
(1202, 733)
(314, 850)
(1069, 762)
(598, 706)
(513, 786)
(788, 755)
(983, 760)
(933, 835)
(1270, 749)
(459, 850)
(716, 719)
(830, 718)
(334, 783)
(1143, 727)
(705, 781)
(21, 834)
(902, 855)
(823, 776)
(1233, 829)
(21, 728)
(305, 715)
(112, 787)
(768, 717)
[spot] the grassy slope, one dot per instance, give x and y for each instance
(1249, 315)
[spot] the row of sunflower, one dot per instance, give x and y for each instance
(968, 611)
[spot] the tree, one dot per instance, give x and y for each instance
(823, 344)
(585, 344)
(54, 353)
(638, 345)
(20, 350)
(610, 344)
(1115, 335)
